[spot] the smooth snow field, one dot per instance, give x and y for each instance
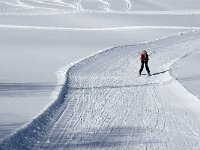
(69, 74)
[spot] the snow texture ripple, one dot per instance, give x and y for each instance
(48, 7)
(103, 104)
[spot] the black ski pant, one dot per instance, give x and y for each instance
(146, 66)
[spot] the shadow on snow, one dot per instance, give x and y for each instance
(105, 138)
(161, 72)
(25, 89)
(157, 73)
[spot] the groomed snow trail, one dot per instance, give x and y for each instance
(105, 105)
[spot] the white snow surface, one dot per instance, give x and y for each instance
(31, 57)
(99, 102)
(105, 105)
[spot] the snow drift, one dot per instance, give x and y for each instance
(103, 104)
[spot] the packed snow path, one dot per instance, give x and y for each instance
(105, 105)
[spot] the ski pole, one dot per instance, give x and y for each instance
(152, 53)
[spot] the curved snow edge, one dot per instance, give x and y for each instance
(32, 129)
(187, 98)
(29, 135)
(181, 85)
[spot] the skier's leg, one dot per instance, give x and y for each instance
(141, 68)
(147, 67)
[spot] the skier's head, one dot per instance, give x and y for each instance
(144, 52)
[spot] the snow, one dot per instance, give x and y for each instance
(103, 104)
(100, 103)
(187, 73)
(31, 57)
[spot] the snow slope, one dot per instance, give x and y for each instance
(57, 32)
(40, 36)
(49, 7)
(31, 57)
(105, 105)
(187, 72)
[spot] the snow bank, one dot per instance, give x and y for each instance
(30, 134)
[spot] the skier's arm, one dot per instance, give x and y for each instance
(152, 53)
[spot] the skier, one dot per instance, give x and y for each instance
(144, 57)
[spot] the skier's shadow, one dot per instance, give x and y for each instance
(157, 73)
(161, 72)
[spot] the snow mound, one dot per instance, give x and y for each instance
(104, 104)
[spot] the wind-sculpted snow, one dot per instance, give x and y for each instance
(66, 5)
(100, 6)
(103, 104)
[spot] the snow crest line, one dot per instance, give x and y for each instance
(52, 112)
(59, 93)
(178, 13)
(99, 29)
(117, 117)
(77, 6)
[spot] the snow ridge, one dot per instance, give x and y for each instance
(64, 6)
(100, 107)
(99, 29)
(50, 115)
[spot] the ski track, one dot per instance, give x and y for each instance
(99, 29)
(104, 105)
(47, 7)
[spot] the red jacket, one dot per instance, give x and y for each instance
(144, 57)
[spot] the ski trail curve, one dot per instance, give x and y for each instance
(105, 105)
